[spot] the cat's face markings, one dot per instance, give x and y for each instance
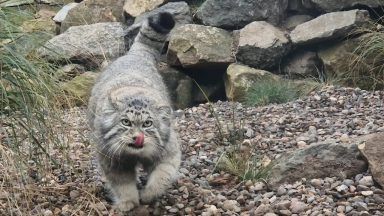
(138, 124)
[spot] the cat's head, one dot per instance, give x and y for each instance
(134, 126)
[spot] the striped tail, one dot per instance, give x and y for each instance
(154, 31)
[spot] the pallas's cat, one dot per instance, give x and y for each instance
(131, 119)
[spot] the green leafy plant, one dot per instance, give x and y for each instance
(367, 63)
(241, 161)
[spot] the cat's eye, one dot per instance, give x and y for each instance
(147, 123)
(126, 122)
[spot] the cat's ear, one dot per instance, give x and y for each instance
(114, 101)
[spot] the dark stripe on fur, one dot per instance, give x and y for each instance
(150, 38)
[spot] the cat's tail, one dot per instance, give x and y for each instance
(154, 31)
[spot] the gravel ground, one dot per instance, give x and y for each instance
(330, 114)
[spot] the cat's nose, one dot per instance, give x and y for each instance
(138, 139)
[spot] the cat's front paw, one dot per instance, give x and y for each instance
(125, 206)
(147, 196)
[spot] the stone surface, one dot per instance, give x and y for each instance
(179, 10)
(69, 71)
(262, 51)
(331, 5)
(372, 147)
(239, 78)
(63, 12)
(12, 3)
(318, 161)
(329, 26)
(137, 7)
(292, 21)
(236, 14)
(302, 64)
(80, 87)
(297, 206)
(180, 86)
(340, 68)
(89, 44)
(54, 2)
(200, 46)
(93, 11)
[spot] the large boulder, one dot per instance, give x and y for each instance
(262, 45)
(13, 3)
(318, 161)
(89, 44)
(372, 147)
(63, 12)
(236, 14)
(200, 46)
(180, 86)
(342, 65)
(180, 11)
(303, 64)
(292, 21)
(54, 2)
(332, 5)
(239, 78)
(79, 88)
(329, 26)
(94, 11)
(137, 7)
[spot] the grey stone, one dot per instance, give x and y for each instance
(366, 181)
(317, 161)
(331, 5)
(12, 3)
(54, 2)
(262, 51)
(262, 209)
(360, 206)
(137, 7)
(239, 79)
(292, 21)
(180, 86)
(372, 147)
(231, 205)
(236, 14)
(303, 64)
(93, 11)
(200, 46)
(179, 10)
(297, 206)
(69, 71)
(80, 87)
(63, 12)
(90, 44)
(342, 188)
(329, 26)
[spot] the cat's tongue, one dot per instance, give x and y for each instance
(139, 142)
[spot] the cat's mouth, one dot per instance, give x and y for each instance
(135, 146)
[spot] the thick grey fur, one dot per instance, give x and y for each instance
(131, 88)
